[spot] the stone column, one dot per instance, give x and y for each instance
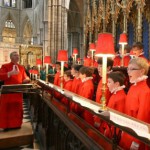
(139, 23)
(57, 27)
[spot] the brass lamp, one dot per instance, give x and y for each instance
(62, 57)
(92, 48)
(75, 53)
(104, 49)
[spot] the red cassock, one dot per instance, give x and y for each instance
(11, 111)
(95, 64)
(99, 93)
(117, 61)
(87, 62)
(75, 88)
(57, 79)
(137, 105)
(116, 102)
(67, 86)
(86, 90)
(76, 84)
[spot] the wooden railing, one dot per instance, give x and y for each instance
(59, 128)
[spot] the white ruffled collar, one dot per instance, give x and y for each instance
(139, 79)
(87, 78)
(115, 90)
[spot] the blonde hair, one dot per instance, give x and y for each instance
(141, 63)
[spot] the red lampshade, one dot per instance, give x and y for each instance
(78, 59)
(75, 51)
(92, 47)
(123, 38)
(105, 45)
(30, 71)
(62, 55)
(47, 59)
(34, 72)
(38, 62)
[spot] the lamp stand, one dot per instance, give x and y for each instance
(104, 74)
(92, 58)
(62, 74)
(122, 53)
(75, 58)
(103, 98)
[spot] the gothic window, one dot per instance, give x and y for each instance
(7, 3)
(10, 3)
(27, 3)
(9, 24)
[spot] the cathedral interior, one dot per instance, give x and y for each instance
(40, 28)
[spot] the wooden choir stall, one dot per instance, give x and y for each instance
(60, 128)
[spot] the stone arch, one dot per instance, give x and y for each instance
(75, 24)
(9, 34)
(27, 31)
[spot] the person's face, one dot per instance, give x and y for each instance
(66, 78)
(137, 51)
(134, 72)
(111, 84)
(57, 67)
(15, 57)
(73, 71)
(100, 70)
(82, 76)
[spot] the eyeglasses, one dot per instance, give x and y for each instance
(132, 69)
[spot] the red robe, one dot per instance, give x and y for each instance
(117, 61)
(67, 86)
(87, 62)
(11, 111)
(137, 105)
(75, 88)
(99, 93)
(116, 102)
(75, 85)
(87, 90)
(57, 79)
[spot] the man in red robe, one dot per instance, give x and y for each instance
(11, 111)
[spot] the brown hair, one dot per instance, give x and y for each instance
(68, 73)
(139, 45)
(86, 70)
(117, 76)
